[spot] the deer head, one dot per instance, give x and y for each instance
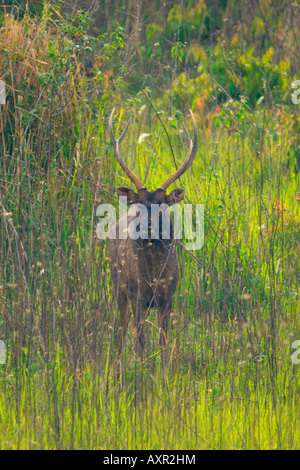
(158, 196)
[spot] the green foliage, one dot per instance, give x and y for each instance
(234, 75)
(235, 116)
(178, 51)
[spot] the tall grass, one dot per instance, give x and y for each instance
(228, 382)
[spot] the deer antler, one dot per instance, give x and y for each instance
(116, 144)
(190, 157)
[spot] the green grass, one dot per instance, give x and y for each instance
(233, 406)
(229, 382)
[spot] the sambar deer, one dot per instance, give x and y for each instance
(145, 270)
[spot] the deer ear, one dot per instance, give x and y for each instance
(175, 196)
(131, 196)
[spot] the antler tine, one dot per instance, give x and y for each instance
(116, 144)
(190, 157)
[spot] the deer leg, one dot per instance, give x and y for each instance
(140, 311)
(164, 310)
(124, 309)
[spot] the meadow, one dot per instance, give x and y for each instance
(231, 377)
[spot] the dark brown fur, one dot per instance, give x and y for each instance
(145, 271)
